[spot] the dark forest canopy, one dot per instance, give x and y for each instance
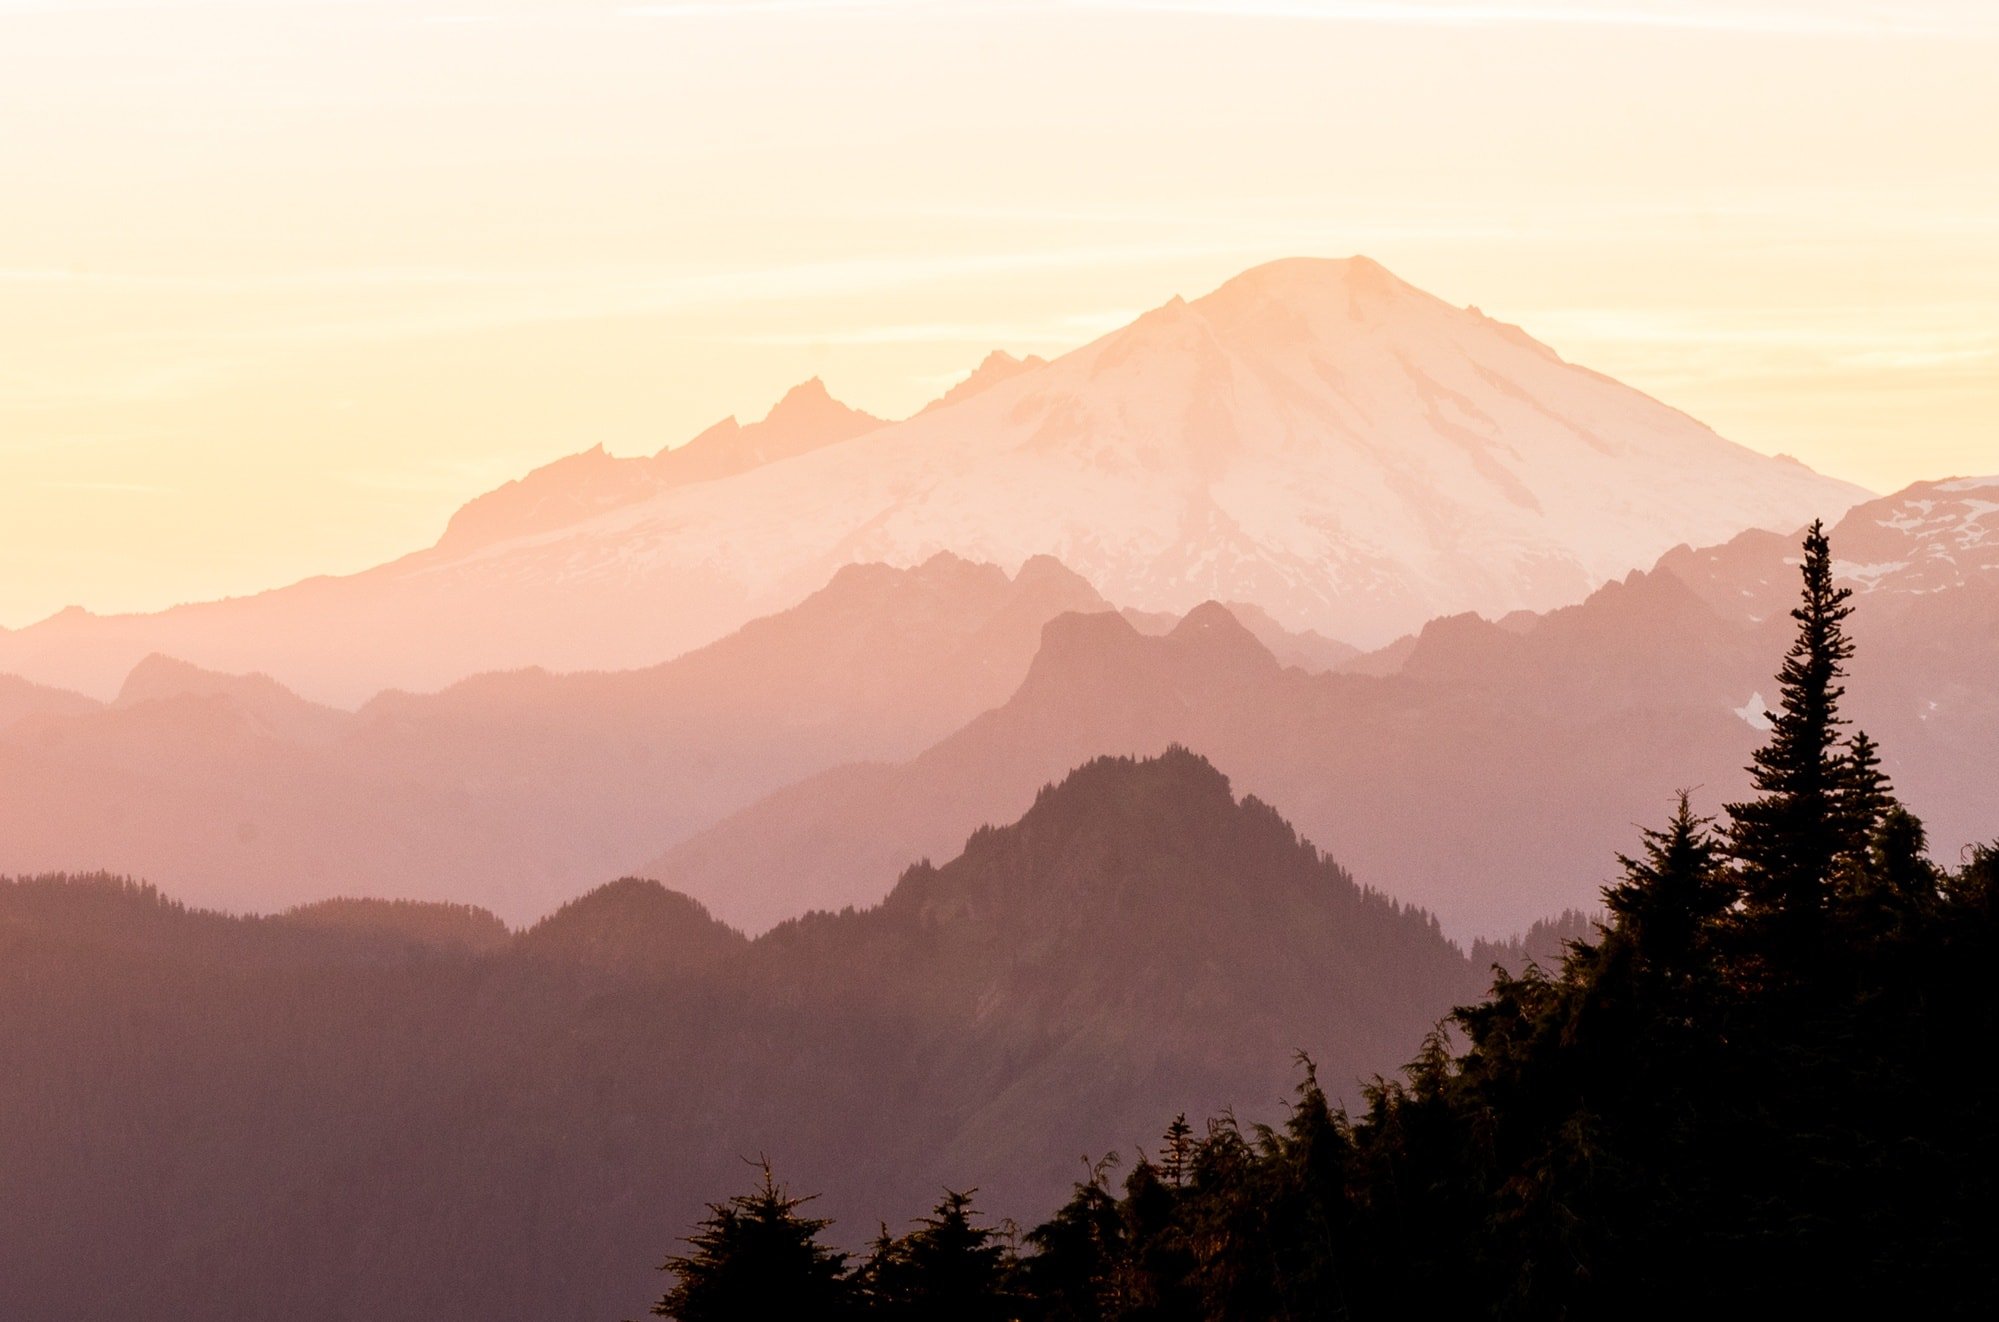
(1754, 1092)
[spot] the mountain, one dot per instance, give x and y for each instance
(275, 708)
(1926, 538)
(1315, 438)
(632, 928)
(997, 366)
(408, 623)
(1483, 771)
(20, 699)
(580, 486)
(427, 925)
(206, 1116)
(513, 790)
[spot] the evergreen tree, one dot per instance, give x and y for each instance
(1789, 839)
(1867, 795)
(877, 1281)
(1160, 1262)
(756, 1257)
(1177, 1150)
(949, 1266)
(1894, 884)
(1072, 1275)
(1672, 893)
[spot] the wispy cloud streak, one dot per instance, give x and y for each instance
(1791, 20)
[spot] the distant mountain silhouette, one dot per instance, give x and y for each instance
(635, 928)
(1303, 648)
(998, 366)
(1482, 770)
(20, 699)
(444, 926)
(1315, 437)
(581, 486)
(285, 1117)
(514, 790)
(274, 708)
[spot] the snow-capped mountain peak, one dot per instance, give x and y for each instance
(1316, 438)
(1926, 537)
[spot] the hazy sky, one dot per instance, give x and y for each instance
(283, 282)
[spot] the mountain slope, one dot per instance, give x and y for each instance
(20, 699)
(1315, 438)
(580, 486)
(210, 1117)
(1487, 775)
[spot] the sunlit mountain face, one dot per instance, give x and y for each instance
(1316, 438)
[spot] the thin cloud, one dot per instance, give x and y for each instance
(1054, 331)
(1794, 20)
(740, 8)
(108, 488)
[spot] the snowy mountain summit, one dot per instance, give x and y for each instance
(1931, 536)
(1316, 438)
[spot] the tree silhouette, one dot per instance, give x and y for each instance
(1073, 1272)
(1789, 839)
(1177, 1150)
(1673, 892)
(755, 1257)
(949, 1266)
(1867, 795)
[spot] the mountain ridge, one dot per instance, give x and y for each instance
(1314, 437)
(1452, 768)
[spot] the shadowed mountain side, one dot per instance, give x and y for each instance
(634, 928)
(208, 1117)
(1488, 778)
(447, 926)
(1446, 796)
(511, 790)
(1309, 651)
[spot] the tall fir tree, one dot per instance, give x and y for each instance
(1790, 838)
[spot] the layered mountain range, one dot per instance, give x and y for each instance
(950, 768)
(1487, 771)
(375, 1110)
(519, 789)
(1316, 438)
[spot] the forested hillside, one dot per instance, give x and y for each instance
(374, 1110)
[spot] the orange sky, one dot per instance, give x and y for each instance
(282, 282)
